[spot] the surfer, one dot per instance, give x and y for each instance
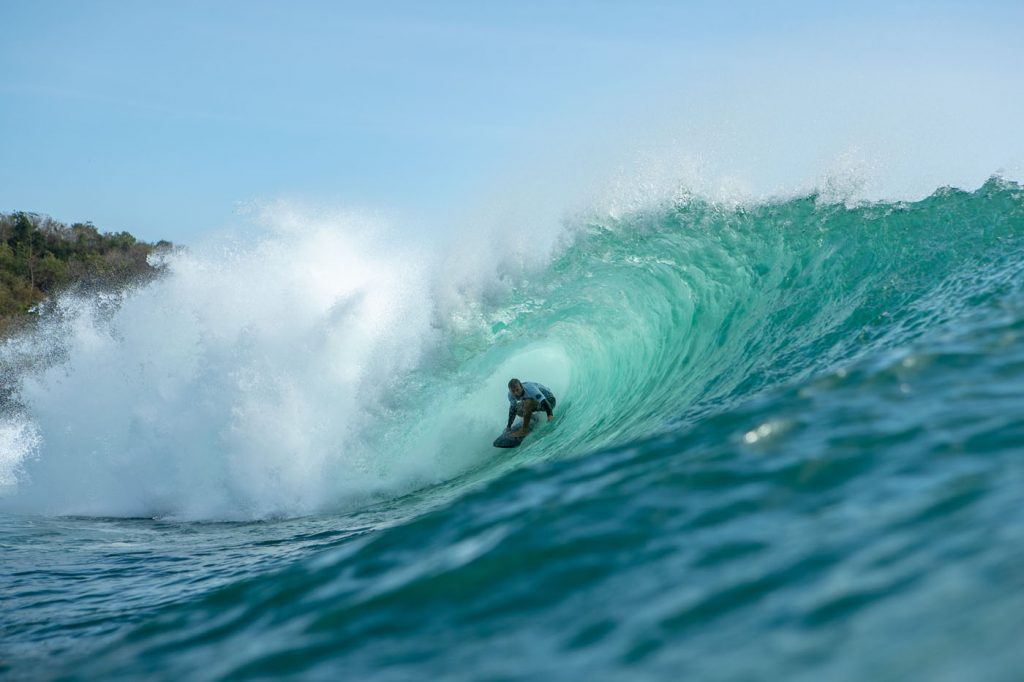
(527, 397)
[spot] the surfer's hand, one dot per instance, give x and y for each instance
(551, 417)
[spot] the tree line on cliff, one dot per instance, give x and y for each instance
(40, 257)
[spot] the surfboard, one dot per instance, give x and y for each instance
(507, 440)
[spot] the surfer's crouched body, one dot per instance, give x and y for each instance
(525, 398)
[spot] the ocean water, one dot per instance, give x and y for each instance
(788, 445)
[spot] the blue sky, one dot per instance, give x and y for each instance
(162, 118)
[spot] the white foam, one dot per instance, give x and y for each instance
(239, 385)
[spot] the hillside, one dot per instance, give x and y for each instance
(40, 256)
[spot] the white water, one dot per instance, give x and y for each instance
(242, 384)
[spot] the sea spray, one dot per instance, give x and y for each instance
(235, 386)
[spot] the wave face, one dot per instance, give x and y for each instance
(786, 446)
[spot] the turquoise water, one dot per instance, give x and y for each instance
(788, 446)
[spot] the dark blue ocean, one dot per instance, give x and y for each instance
(789, 445)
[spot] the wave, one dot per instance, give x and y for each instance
(324, 368)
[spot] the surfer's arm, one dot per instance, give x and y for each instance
(511, 415)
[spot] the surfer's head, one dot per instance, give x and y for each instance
(516, 387)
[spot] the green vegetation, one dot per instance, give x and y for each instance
(40, 256)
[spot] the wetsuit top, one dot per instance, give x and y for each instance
(531, 390)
